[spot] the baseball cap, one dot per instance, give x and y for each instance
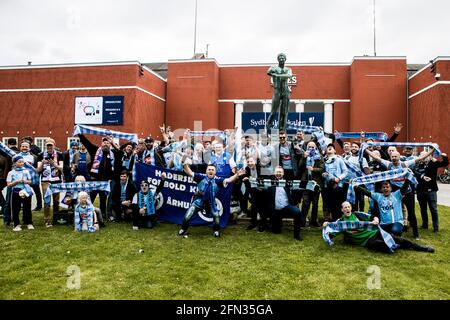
(49, 141)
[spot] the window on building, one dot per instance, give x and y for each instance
(5, 140)
(70, 139)
(40, 142)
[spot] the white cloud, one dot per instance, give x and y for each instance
(238, 31)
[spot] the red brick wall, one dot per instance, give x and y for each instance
(193, 94)
(226, 115)
(430, 116)
(378, 95)
(36, 113)
(313, 82)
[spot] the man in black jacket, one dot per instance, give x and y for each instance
(280, 204)
(122, 196)
(426, 174)
(255, 195)
(106, 166)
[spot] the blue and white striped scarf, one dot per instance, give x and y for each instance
(367, 135)
(147, 201)
(379, 176)
(315, 131)
(340, 226)
(31, 169)
(267, 183)
(238, 155)
(80, 128)
(364, 146)
(76, 186)
(210, 133)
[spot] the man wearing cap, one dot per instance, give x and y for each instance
(69, 169)
(106, 166)
(50, 166)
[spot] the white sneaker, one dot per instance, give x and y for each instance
(48, 225)
(17, 228)
(216, 234)
(135, 228)
(30, 227)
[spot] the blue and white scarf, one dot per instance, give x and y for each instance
(147, 201)
(340, 226)
(210, 133)
(364, 146)
(84, 215)
(99, 157)
(315, 131)
(32, 170)
(80, 128)
(382, 136)
(267, 183)
(379, 176)
(76, 186)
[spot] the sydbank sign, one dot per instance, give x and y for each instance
(257, 120)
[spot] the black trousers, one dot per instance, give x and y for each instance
(16, 203)
(408, 201)
(333, 197)
(376, 243)
(288, 212)
(308, 198)
(143, 221)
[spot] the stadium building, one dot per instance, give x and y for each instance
(368, 93)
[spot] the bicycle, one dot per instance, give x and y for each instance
(445, 177)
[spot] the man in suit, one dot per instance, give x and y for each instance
(254, 195)
(281, 204)
(122, 196)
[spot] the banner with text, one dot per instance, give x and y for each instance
(257, 120)
(176, 196)
(99, 110)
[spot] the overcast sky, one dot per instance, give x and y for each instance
(237, 31)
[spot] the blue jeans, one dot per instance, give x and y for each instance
(430, 199)
(395, 228)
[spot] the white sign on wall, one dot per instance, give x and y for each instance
(88, 110)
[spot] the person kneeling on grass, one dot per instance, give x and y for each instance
(84, 214)
(359, 231)
(143, 205)
(208, 186)
(389, 205)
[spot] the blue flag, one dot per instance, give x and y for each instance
(176, 196)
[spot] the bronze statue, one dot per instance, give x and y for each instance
(280, 100)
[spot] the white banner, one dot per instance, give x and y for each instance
(88, 110)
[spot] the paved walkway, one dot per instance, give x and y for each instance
(444, 194)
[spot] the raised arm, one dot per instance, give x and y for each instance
(365, 191)
(235, 176)
(186, 167)
(425, 155)
(373, 155)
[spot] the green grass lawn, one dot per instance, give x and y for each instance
(240, 265)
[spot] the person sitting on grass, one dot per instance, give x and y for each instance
(389, 206)
(84, 214)
(208, 186)
(143, 205)
(371, 237)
